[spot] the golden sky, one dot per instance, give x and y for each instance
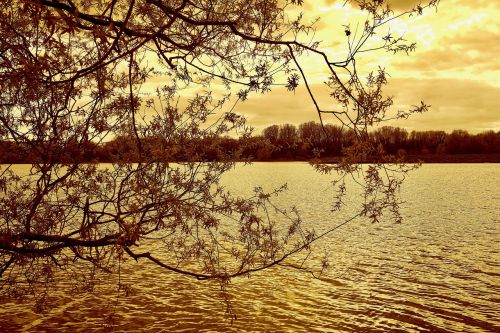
(455, 69)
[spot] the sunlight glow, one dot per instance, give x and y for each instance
(472, 20)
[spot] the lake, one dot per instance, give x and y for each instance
(438, 271)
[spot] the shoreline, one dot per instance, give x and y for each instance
(410, 158)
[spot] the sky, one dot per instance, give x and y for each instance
(455, 68)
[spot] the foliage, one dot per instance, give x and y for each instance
(73, 75)
(311, 140)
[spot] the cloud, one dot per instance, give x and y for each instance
(409, 4)
(469, 50)
(455, 68)
(455, 104)
(394, 4)
(279, 107)
(404, 4)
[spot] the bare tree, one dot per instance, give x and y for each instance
(75, 71)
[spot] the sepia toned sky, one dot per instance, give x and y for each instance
(455, 69)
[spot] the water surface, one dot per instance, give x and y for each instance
(438, 271)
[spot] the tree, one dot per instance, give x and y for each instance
(488, 142)
(428, 141)
(74, 71)
(336, 139)
(311, 136)
(287, 135)
(391, 138)
(271, 133)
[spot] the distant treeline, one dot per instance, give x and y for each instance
(284, 142)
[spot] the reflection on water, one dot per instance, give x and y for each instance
(439, 271)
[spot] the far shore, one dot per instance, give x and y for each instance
(410, 158)
(441, 158)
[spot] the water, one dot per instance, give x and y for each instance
(439, 271)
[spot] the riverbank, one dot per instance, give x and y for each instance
(439, 158)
